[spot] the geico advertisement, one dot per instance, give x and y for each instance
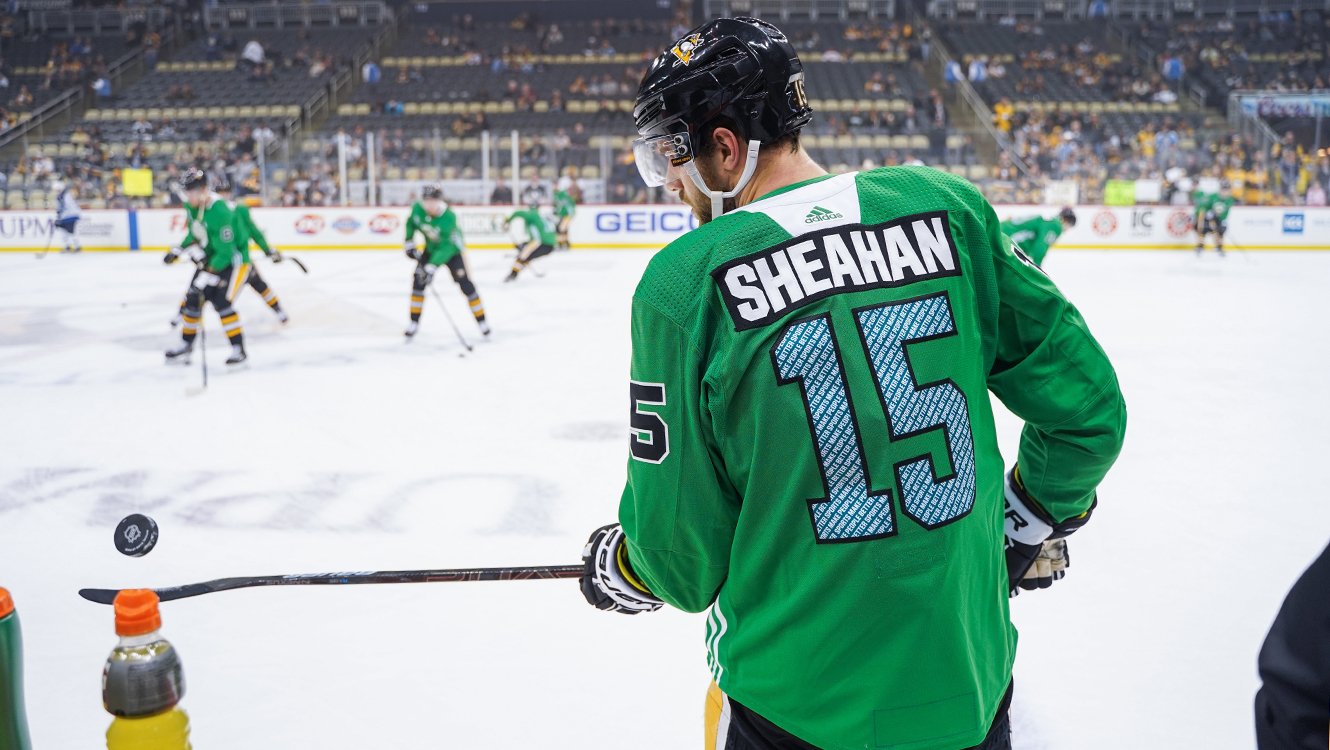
(35, 230)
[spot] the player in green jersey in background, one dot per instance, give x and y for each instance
(1212, 216)
(1036, 234)
(247, 231)
(567, 194)
(434, 220)
(813, 453)
(540, 237)
(211, 243)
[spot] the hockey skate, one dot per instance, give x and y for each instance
(411, 329)
(238, 355)
(282, 317)
(484, 328)
(180, 353)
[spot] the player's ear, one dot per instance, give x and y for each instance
(728, 148)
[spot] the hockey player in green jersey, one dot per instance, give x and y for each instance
(1212, 216)
(540, 238)
(813, 457)
(246, 230)
(434, 220)
(1036, 234)
(211, 243)
(566, 196)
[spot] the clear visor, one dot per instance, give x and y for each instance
(656, 157)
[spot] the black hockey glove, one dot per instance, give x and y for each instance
(411, 251)
(608, 580)
(1036, 549)
(172, 256)
(275, 256)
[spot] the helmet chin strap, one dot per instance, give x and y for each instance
(718, 197)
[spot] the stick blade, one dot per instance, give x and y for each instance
(99, 596)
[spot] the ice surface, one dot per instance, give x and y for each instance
(342, 448)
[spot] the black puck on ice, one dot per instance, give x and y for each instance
(136, 535)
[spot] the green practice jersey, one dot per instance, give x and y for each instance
(564, 204)
(213, 229)
(1035, 235)
(443, 238)
(247, 230)
(1212, 203)
(814, 458)
(536, 228)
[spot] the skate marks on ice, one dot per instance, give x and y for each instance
(338, 502)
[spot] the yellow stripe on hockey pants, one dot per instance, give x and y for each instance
(238, 279)
(717, 719)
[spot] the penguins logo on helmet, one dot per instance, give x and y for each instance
(193, 179)
(685, 47)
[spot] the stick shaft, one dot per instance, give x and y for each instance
(447, 315)
(445, 575)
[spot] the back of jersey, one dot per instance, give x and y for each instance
(815, 454)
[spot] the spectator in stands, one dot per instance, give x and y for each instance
(371, 74)
(1002, 114)
(23, 99)
(142, 128)
(953, 73)
(252, 56)
(978, 69)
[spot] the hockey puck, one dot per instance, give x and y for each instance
(136, 535)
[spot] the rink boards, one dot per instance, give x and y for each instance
(607, 227)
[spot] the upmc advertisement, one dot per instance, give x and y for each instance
(613, 227)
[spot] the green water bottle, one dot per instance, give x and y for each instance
(13, 717)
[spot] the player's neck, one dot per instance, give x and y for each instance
(775, 171)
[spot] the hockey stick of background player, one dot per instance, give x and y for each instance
(451, 322)
(203, 360)
(107, 596)
(50, 235)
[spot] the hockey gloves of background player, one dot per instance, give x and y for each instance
(608, 580)
(194, 253)
(1036, 546)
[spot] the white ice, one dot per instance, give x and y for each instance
(341, 448)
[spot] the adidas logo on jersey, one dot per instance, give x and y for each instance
(821, 214)
(763, 286)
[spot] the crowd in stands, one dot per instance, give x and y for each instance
(1286, 51)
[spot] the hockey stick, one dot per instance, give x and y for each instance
(203, 360)
(107, 596)
(451, 322)
(296, 261)
(47, 249)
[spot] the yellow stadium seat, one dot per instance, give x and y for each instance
(93, 115)
(411, 108)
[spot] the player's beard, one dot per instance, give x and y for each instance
(698, 201)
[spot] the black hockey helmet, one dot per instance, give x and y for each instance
(742, 68)
(431, 191)
(1068, 214)
(533, 195)
(193, 178)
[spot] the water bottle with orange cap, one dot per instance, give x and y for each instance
(143, 681)
(13, 718)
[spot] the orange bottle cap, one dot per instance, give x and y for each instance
(136, 612)
(6, 603)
